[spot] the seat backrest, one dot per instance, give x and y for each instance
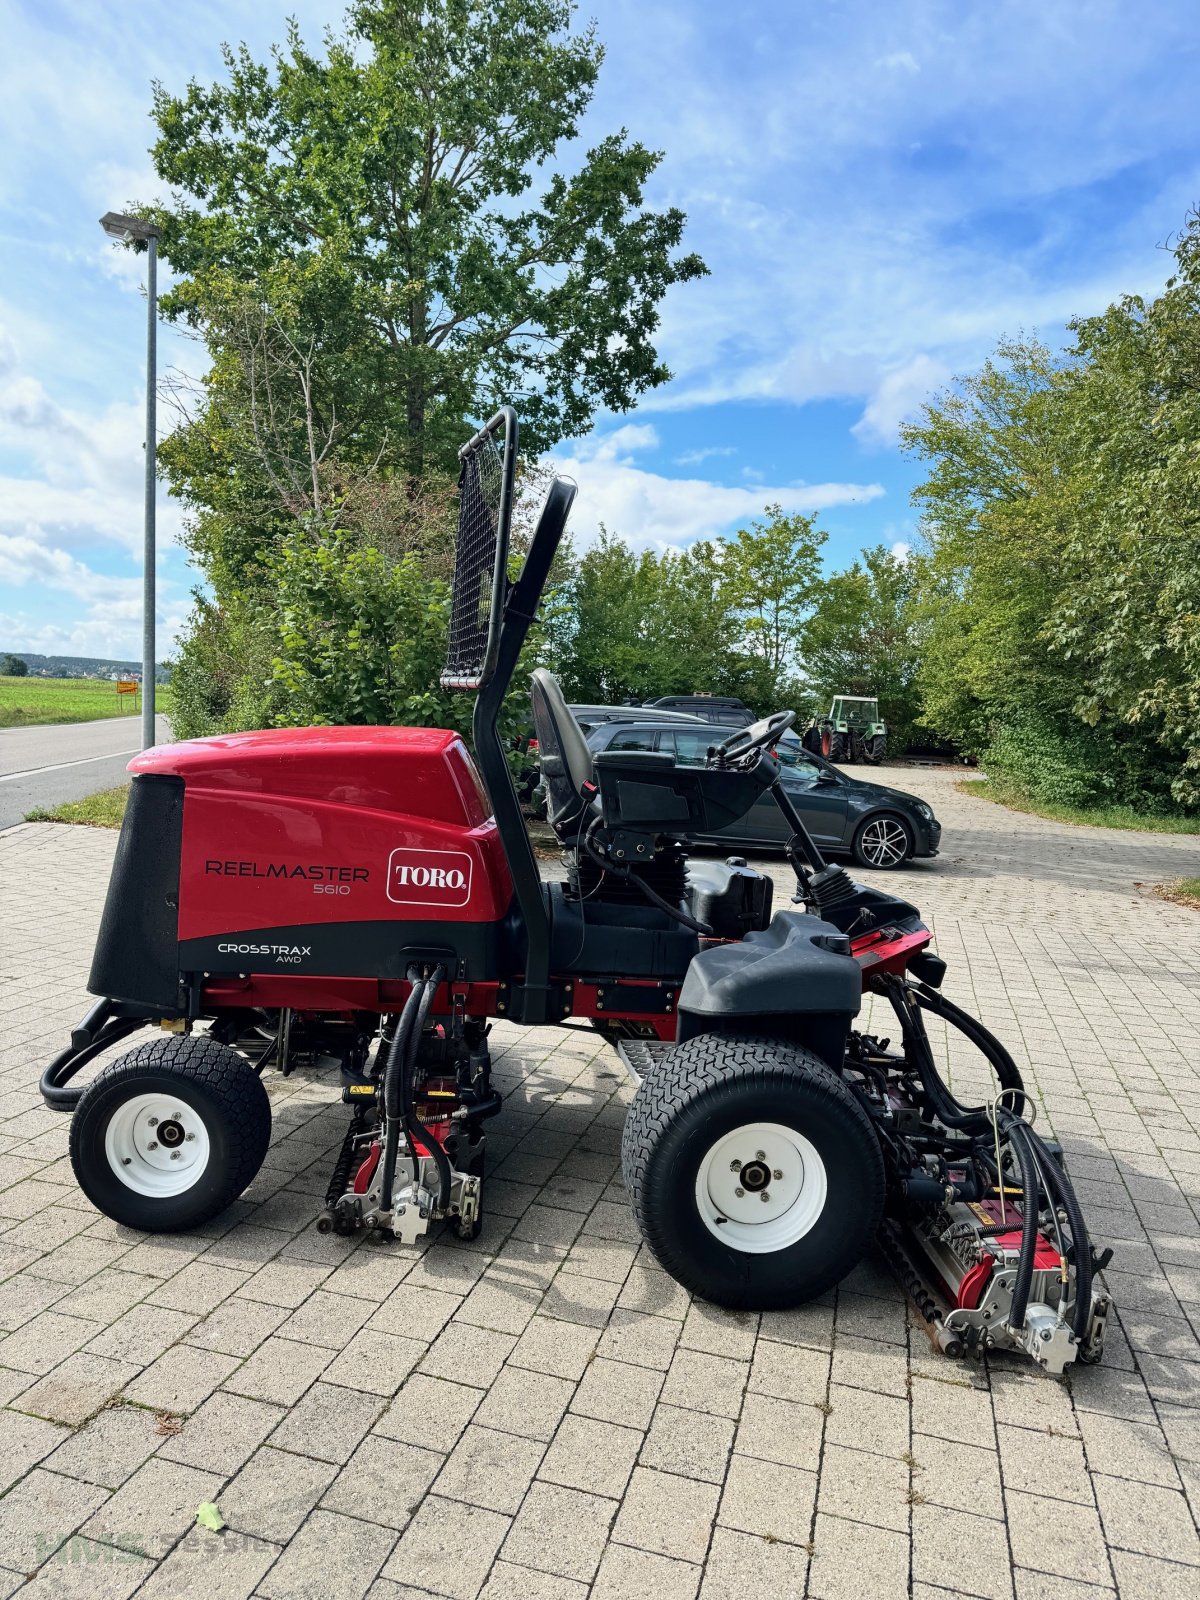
(563, 751)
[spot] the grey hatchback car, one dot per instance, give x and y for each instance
(880, 827)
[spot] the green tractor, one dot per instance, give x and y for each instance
(852, 731)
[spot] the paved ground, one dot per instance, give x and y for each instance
(544, 1415)
(46, 766)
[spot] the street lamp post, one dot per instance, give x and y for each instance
(127, 229)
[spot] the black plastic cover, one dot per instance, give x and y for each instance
(798, 973)
(730, 897)
(644, 789)
(137, 950)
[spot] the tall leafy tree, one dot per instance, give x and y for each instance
(402, 205)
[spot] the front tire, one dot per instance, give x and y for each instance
(883, 842)
(723, 1121)
(170, 1134)
(875, 750)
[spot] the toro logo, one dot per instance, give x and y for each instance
(429, 877)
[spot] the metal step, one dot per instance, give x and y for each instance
(638, 1056)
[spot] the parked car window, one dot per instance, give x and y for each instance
(798, 768)
(632, 738)
(691, 749)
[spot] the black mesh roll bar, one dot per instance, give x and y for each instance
(489, 621)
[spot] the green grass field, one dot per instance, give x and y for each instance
(1124, 817)
(26, 702)
(103, 810)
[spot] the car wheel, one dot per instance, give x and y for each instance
(754, 1172)
(883, 841)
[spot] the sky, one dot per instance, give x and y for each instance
(881, 190)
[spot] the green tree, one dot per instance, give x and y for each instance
(861, 639)
(771, 571)
(13, 667)
(378, 198)
(1060, 570)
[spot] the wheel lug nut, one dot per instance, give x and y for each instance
(776, 1174)
(765, 1196)
(192, 1136)
(153, 1145)
(734, 1165)
(760, 1155)
(740, 1193)
(153, 1121)
(174, 1155)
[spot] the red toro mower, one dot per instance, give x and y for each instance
(370, 894)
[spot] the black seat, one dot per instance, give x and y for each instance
(565, 757)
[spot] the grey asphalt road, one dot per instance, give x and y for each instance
(65, 761)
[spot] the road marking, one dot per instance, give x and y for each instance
(32, 772)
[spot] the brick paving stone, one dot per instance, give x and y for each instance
(526, 1403)
(274, 1492)
(560, 1531)
(150, 1511)
(591, 1455)
(655, 1436)
(76, 1388)
(850, 1559)
(955, 1550)
(429, 1411)
(628, 1574)
(741, 1564)
(489, 1468)
(328, 1423)
(562, 1349)
(448, 1548)
(668, 1515)
(110, 1447)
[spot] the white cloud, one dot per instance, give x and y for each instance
(693, 458)
(901, 549)
(648, 509)
(897, 396)
(85, 471)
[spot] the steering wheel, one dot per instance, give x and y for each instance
(758, 736)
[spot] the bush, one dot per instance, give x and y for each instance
(1068, 763)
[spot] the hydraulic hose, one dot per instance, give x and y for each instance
(415, 1128)
(1039, 1170)
(70, 1061)
(1002, 1064)
(393, 1073)
(1027, 1162)
(1058, 1187)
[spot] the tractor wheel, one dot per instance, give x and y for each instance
(838, 747)
(812, 741)
(875, 749)
(170, 1134)
(755, 1175)
(883, 841)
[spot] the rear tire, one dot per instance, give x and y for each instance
(169, 1135)
(772, 1107)
(838, 747)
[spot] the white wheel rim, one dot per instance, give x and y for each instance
(884, 842)
(730, 1188)
(157, 1145)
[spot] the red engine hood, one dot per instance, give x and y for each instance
(420, 772)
